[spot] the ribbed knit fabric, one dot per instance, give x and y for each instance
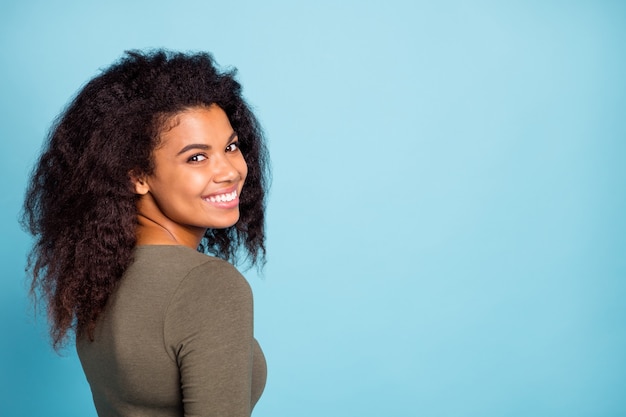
(176, 339)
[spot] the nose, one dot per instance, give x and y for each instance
(224, 170)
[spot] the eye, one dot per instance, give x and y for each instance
(233, 147)
(197, 158)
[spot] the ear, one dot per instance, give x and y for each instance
(139, 183)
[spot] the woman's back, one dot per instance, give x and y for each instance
(176, 332)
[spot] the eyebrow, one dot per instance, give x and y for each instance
(203, 146)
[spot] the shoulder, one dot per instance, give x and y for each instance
(209, 283)
(217, 276)
(182, 269)
(212, 301)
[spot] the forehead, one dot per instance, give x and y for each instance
(201, 123)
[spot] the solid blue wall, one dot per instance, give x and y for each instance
(446, 224)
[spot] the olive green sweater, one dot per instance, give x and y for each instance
(175, 339)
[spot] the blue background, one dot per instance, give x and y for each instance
(446, 223)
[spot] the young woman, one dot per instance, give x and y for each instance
(156, 162)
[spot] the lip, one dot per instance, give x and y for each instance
(223, 204)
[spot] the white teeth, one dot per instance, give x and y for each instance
(222, 198)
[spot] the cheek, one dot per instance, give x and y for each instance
(242, 168)
(193, 183)
(182, 183)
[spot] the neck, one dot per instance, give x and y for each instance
(155, 228)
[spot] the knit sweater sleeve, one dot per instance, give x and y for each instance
(208, 332)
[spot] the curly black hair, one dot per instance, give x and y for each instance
(80, 204)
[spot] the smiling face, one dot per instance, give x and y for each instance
(198, 176)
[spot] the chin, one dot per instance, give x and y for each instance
(225, 223)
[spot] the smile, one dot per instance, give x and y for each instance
(222, 198)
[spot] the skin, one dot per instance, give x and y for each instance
(197, 160)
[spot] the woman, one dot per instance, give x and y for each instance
(154, 161)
